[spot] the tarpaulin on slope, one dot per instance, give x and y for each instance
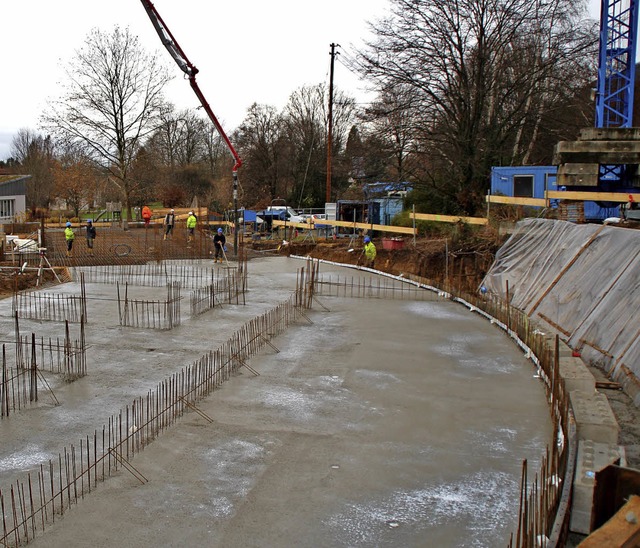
(582, 281)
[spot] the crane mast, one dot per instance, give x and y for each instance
(617, 63)
(616, 81)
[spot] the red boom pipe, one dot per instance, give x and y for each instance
(185, 65)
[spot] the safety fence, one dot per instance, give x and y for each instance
(50, 490)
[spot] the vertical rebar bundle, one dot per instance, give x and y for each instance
(18, 387)
(67, 357)
(153, 314)
(55, 307)
(306, 283)
(148, 275)
(222, 290)
(371, 288)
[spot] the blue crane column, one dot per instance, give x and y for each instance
(616, 78)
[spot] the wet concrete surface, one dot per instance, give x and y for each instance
(383, 423)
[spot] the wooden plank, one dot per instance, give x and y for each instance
(618, 531)
(349, 224)
(514, 200)
(592, 196)
(449, 218)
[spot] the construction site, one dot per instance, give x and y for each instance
(476, 388)
(302, 399)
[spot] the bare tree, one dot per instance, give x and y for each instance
(112, 101)
(484, 73)
(306, 120)
(35, 155)
(260, 140)
(179, 139)
(75, 179)
(391, 121)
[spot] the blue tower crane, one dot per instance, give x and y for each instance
(616, 79)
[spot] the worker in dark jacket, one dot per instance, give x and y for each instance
(169, 223)
(91, 235)
(219, 241)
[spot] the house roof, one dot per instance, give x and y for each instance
(10, 185)
(372, 189)
(13, 178)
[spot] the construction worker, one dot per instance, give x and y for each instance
(369, 252)
(219, 241)
(91, 235)
(191, 226)
(146, 215)
(69, 236)
(169, 223)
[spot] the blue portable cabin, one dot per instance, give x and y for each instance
(248, 218)
(269, 216)
(533, 181)
(389, 196)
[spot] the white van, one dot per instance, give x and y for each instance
(290, 213)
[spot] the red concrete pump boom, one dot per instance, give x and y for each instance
(190, 70)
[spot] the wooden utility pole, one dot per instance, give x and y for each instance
(330, 131)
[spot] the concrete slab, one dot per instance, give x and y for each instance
(386, 423)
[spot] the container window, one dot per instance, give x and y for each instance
(523, 186)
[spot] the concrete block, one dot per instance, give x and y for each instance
(592, 457)
(564, 350)
(594, 418)
(576, 375)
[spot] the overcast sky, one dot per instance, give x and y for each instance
(246, 50)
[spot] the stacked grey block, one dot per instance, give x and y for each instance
(597, 431)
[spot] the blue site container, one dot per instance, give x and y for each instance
(532, 181)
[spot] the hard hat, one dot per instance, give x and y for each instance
(68, 223)
(190, 212)
(367, 239)
(172, 210)
(89, 221)
(219, 231)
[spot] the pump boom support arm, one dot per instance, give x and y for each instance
(190, 70)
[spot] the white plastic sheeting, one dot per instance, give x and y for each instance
(580, 281)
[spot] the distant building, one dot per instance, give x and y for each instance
(389, 197)
(13, 197)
